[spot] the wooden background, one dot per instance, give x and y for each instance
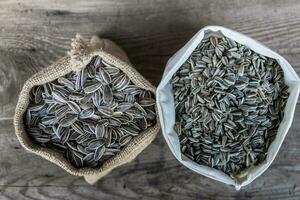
(33, 34)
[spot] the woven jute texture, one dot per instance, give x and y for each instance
(79, 56)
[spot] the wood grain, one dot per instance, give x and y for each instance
(33, 34)
(155, 174)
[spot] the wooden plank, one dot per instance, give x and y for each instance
(41, 35)
(155, 174)
(33, 34)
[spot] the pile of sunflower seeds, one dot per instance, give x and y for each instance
(229, 103)
(91, 115)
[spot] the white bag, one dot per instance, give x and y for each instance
(165, 103)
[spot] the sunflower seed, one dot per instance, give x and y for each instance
(63, 81)
(125, 139)
(92, 87)
(103, 77)
(107, 94)
(74, 107)
(58, 96)
(100, 131)
(99, 153)
(96, 143)
(68, 120)
(87, 113)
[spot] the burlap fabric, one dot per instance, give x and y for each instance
(80, 55)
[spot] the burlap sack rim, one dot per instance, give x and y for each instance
(60, 68)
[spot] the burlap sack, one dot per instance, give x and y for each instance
(79, 56)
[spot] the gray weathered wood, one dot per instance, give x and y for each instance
(33, 34)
